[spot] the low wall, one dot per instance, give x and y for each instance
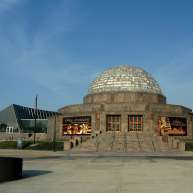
(23, 136)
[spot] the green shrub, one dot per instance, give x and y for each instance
(189, 145)
(25, 144)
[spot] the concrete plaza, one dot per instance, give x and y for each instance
(49, 172)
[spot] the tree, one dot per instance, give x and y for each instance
(3, 127)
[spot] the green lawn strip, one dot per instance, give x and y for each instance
(13, 144)
(40, 145)
(8, 144)
(45, 145)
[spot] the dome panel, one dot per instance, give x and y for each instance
(124, 78)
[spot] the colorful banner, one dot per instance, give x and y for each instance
(173, 126)
(77, 125)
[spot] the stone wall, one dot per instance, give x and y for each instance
(125, 97)
(98, 112)
(54, 127)
(23, 136)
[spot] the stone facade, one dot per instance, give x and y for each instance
(99, 112)
(137, 115)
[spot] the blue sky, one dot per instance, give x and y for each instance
(56, 48)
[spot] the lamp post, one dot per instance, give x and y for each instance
(35, 117)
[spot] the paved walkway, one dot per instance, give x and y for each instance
(49, 172)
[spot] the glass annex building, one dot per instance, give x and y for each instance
(126, 110)
(20, 119)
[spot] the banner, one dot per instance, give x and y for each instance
(77, 125)
(173, 126)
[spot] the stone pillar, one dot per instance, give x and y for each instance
(93, 123)
(59, 127)
(97, 120)
(190, 126)
(96, 117)
(149, 123)
(156, 119)
(52, 127)
(103, 122)
(182, 146)
(124, 122)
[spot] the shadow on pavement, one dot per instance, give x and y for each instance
(33, 173)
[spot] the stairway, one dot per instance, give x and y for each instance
(126, 142)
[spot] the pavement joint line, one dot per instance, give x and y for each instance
(26, 155)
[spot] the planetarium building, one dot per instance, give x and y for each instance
(124, 110)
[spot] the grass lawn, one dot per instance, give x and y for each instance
(13, 144)
(46, 145)
(8, 144)
(40, 145)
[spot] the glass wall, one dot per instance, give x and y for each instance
(29, 124)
